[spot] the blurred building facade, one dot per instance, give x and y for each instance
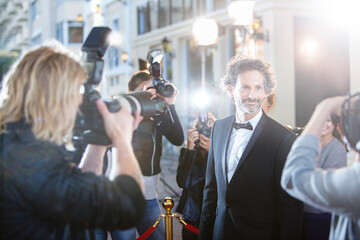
(278, 35)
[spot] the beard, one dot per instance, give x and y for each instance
(248, 105)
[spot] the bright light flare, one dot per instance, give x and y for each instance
(201, 99)
(309, 48)
(345, 12)
(205, 32)
(115, 38)
(241, 12)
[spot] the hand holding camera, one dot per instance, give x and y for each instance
(165, 90)
(196, 139)
(205, 142)
(192, 136)
(119, 126)
(89, 124)
(155, 95)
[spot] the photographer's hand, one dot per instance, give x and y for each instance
(119, 128)
(169, 101)
(324, 109)
(205, 142)
(192, 136)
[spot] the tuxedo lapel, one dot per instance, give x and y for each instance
(226, 131)
(252, 140)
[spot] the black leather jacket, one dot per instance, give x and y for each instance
(190, 176)
(44, 195)
(147, 139)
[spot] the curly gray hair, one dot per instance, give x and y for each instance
(241, 64)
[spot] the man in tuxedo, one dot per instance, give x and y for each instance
(243, 198)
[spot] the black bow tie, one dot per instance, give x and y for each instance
(242, 125)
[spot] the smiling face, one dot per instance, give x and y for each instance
(249, 92)
(327, 128)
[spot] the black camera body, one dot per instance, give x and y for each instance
(202, 128)
(89, 124)
(296, 130)
(162, 86)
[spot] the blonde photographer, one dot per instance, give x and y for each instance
(44, 194)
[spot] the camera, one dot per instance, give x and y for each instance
(162, 87)
(202, 128)
(296, 130)
(350, 120)
(89, 125)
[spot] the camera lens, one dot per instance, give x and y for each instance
(165, 90)
(139, 101)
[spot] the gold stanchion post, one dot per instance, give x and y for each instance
(168, 204)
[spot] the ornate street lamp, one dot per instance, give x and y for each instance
(241, 12)
(247, 29)
(205, 33)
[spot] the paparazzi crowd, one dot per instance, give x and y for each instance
(243, 177)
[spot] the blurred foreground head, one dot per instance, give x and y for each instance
(43, 88)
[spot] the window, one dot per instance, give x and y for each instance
(36, 40)
(113, 57)
(59, 32)
(154, 14)
(115, 24)
(188, 9)
(201, 7)
(218, 4)
(35, 9)
(176, 13)
(164, 13)
(75, 32)
(116, 57)
(167, 66)
(143, 19)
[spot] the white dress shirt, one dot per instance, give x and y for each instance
(238, 141)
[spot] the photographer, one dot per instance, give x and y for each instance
(191, 171)
(336, 191)
(147, 144)
(44, 194)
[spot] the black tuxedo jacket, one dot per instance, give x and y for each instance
(252, 205)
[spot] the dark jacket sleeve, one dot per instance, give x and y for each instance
(169, 125)
(183, 170)
(289, 208)
(207, 217)
(58, 190)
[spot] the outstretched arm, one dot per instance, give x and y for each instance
(332, 190)
(321, 113)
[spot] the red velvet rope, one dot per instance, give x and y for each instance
(149, 231)
(152, 228)
(191, 228)
(187, 225)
